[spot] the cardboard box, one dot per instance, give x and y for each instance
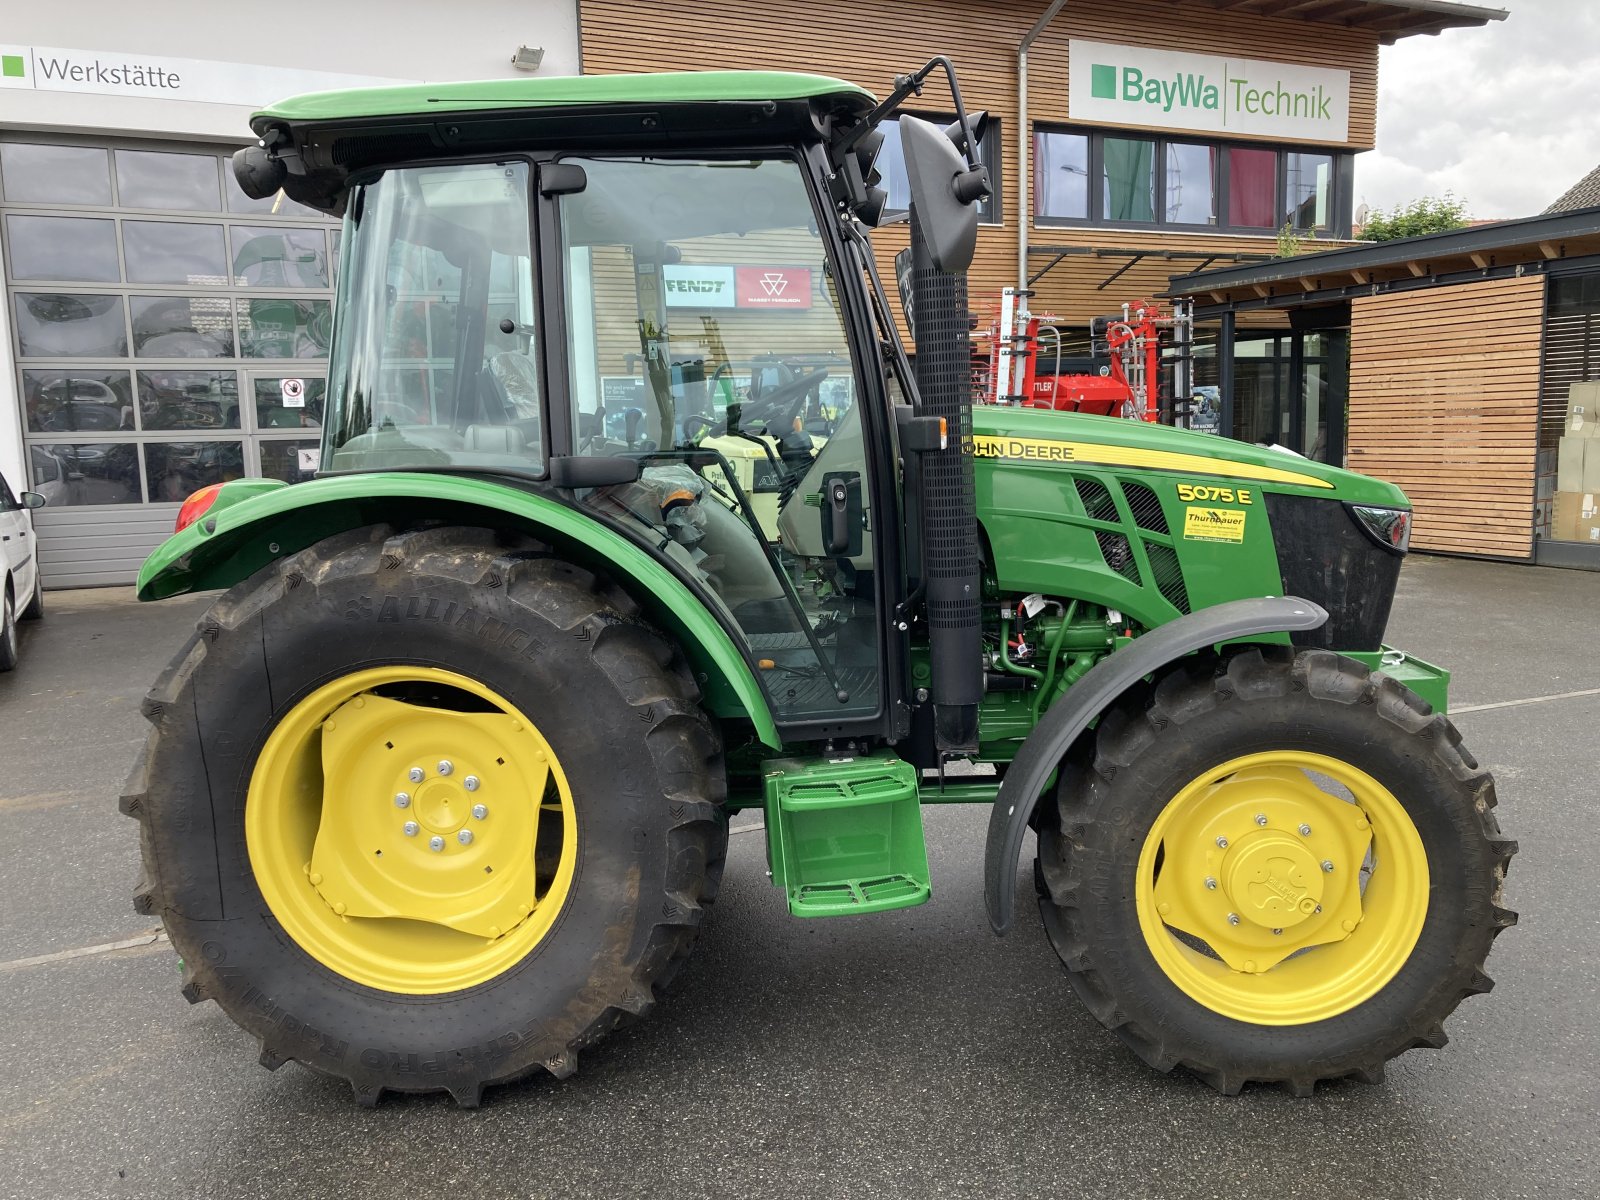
(1575, 517)
(1591, 465)
(1570, 463)
(1583, 411)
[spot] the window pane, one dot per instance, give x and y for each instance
(282, 460)
(178, 470)
(1191, 184)
(55, 174)
(284, 328)
(53, 325)
(295, 406)
(77, 401)
(92, 473)
(188, 400)
(1061, 175)
(276, 205)
(154, 179)
(1308, 180)
(1253, 188)
(182, 326)
(63, 248)
(168, 252)
(285, 258)
(1130, 179)
(891, 164)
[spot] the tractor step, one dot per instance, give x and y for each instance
(845, 836)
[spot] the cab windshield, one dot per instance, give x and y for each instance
(435, 356)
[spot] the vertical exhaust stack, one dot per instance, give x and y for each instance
(948, 505)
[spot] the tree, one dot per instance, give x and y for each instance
(1430, 214)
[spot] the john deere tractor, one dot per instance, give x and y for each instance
(437, 794)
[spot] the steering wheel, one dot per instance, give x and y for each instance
(777, 408)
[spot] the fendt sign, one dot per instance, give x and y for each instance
(1165, 89)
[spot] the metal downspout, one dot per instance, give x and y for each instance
(1025, 141)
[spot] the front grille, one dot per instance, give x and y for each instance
(1323, 557)
(1114, 548)
(1146, 508)
(1168, 575)
(1097, 501)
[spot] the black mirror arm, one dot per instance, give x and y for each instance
(906, 86)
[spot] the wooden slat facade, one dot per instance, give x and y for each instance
(869, 45)
(1443, 401)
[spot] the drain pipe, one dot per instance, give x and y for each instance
(1025, 142)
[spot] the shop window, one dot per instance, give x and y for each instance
(891, 165)
(1061, 175)
(55, 174)
(1252, 188)
(279, 258)
(86, 472)
(1191, 184)
(174, 252)
(1308, 186)
(182, 326)
(1128, 177)
(81, 249)
(56, 325)
(282, 328)
(153, 179)
(290, 461)
(177, 470)
(77, 401)
(188, 400)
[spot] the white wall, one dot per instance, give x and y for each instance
(391, 39)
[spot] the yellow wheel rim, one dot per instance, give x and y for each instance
(411, 830)
(1303, 876)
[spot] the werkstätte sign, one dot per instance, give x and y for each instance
(159, 77)
(1207, 93)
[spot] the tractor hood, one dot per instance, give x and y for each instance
(1041, 437)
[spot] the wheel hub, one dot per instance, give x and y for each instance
(1272, 879)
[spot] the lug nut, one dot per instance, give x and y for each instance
(470, 783)
(1211, 884)
(1327, 865)
(1305, 831)
(436, 843)
(1261, 818)
(464, 837)
(416, 775)
(480, 811)
(402, 800)
(1222, 843)
(1278, 932)
(409, 829)
(1233, 918)
(446, 766)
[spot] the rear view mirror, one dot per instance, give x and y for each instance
(32, 500)
(945, 193)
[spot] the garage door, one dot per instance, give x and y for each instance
(169, 333)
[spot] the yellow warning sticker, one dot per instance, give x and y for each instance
(1213, 524)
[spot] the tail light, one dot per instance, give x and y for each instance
(1389, 527)
(196, 505)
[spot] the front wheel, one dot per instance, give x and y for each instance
(428, 810)
(1281, 869)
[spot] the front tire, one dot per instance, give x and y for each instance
(1279, 869)
(428, 810)
(9, 648)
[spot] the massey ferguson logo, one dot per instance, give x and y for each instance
(772, 287)
(774, 282)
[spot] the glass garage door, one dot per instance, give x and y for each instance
(167, 331)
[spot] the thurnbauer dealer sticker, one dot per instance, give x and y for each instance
(1213, 524)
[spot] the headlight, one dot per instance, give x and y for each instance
(1389, 527)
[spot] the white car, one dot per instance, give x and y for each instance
(21, 590)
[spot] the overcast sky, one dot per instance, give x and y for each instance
(1506, 116)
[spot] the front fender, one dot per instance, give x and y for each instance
(1040, 755)
(253, 523)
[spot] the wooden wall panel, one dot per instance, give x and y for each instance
(1444, 386)
(870, 44)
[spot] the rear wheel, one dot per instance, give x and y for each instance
(1283, 870)
(8, 629)
(428, 810)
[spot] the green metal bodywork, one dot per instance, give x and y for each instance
(432, 99)
(257, 521)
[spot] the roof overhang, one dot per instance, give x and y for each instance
(1392, 19)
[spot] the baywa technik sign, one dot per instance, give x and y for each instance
(1165, 89)
(159, 77)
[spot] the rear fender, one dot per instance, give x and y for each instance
(1052, 737)
(253, 523)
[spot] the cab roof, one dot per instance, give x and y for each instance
(682, 87)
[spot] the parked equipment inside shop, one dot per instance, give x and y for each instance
(437, 795)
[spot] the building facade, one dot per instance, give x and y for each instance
(164, 332)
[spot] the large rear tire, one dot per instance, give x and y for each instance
(1279, 869)
(428, 810)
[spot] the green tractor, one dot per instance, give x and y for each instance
(438, 792)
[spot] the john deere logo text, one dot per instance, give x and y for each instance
(1030, 449)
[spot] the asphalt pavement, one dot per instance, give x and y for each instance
(911, 1053)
